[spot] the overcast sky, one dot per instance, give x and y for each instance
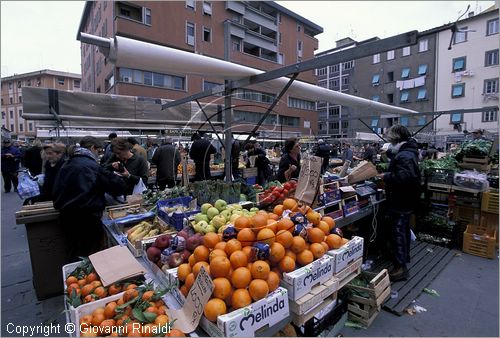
(39, 35)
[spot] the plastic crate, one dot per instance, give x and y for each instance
(443, 176)
(466, 214)
(489, 202)
(480, 241)
(177, 219)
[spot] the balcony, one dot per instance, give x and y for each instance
(260, 18)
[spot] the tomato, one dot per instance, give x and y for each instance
(276, 193)
(287, 186)
(285, 192)
(282, 196)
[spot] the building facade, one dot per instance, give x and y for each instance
(262, 35)
(468, 74)
(12, 97)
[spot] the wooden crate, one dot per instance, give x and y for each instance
(439, 187)
(349, 272)
(478, 160)
(303, 318)
(480, 241)
(310, 301)
(466, 214)
(378, 289)
(359, 314)
(489, 202)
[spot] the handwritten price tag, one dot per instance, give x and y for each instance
(308, 183)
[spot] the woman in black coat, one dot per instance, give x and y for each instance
(289, 166)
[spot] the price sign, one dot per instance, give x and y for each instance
(308, 183)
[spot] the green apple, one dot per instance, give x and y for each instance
(205, 207)
(218, 221)
(220, 205)
(200, 227)
(233, 218)
(226, 214)
(222, 228)
(212, 212)
(237, 206)
(254, 209)
(209, 228)
(200, 217)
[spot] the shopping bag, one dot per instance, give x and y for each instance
(308, 182)
(27, 187)
(139, 187)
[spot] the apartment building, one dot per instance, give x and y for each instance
(467, 74)
(12, 97)
(258, 34)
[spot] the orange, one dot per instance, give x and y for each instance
(184, 290)
(100, 292)
(324, 227)
(191, 260)
(220, 246)
(277, 253)
(325, 246)
(231, 246)
(70, 280)
(241, 298)
(287, 264)
(72, 287)
(314, 217)
(91, 277)
(85, 321)
(241, 278)
(242, 222)
(266, 236)
(315, 235)
(222, 288)
(217, 252)
(298, 244)
(230, 273)
(246, 237)
(189, 281)
(330, 221)
(97, 319)
(260, 270)
(259, 220)
(334, 241)
(291, 254)
(197, 267)
(109, 310)
(201, 253)
(82, 282)
(305, 257)
(344, 241)
(182, 271)
(147, 295)
(161, 320)
(210, 239)
(219, 267)
(130, 294)
(175, 333)
(290, 204)
(87, 290)
(272, 216)
(214, 308)
(278, 209)
(305, 209)
(107, 323)
(114, 289)
(285, 238)
(272, 224)
(148, 330)
(317, 250)
(128, 287)
(258, 289)
(248, 251)
(238, 259)
(285, 224)
(273, 281)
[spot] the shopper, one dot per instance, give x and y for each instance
(402, 183)
(235, 158)
(262, 163)
(347, 154)
(137, 148)
(55, 153)
(11, 157)
(33, 158)
(79, 196)
(130, 166)
(289, 166)
(167, 158)
(107, 149)
(323, 150)
(369, 154)
(477, 134)
(200, 152)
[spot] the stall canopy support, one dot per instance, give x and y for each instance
(373, 131)
(210, 123)
(228, 120)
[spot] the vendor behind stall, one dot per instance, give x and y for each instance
(200, 152)
(289, 166)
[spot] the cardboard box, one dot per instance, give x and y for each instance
(301, 281)
(249, 320)
(347, 253)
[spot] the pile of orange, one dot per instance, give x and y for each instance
(115, 320)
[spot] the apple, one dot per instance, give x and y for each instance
(220, 205)
(191, 243)
(226, 214)
(174, 260)
(200, 226)
(212, 212)
(237, 206)
(205, 207)
(233, 218)
(185, 256)
(254, 209)
(162, 242)
(200, 217)
(218, 221)
(209, 228)
(153, 254)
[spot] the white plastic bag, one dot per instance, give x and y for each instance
(27, 187)
(139, 187)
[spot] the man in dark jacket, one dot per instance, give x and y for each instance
(323, 150)
(11, 157)
(56, 156)
(200, 152)
(33, 158)
(108, 152)
(79, 196)
(167, 158)
(402, 184)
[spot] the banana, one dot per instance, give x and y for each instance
(138, 236)
(152, 233)
(134, 228)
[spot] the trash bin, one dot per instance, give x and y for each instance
(47, 249)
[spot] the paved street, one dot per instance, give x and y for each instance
(468, 305)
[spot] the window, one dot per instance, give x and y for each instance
(299, 28)
(491, 58)
(376, 79)
(335, 126)
(403, 120)
(279, 38)
(490, 86)
(390, 55)
(458, 90)
(404, 96)
(345, 82)
(281, 59)
(390, 76)
(10, 100)
(11, 114)
(207, 34)
(290, 121)
(490, 116)
(60, 80)
(30, 126)
(334, 111)
(299, 48)
(334, 68)
(76, 83)
(456, 118)
(333, 83)
(190, 4)
(20, 99)
(301, 104)
(151, 79)
(18, 84)
(422, 69)
(253, 95)
(348, 65)
(421, 121)
(492, 27)
(376, 98)
(406, 51)
(321, 71)
(10, 85)
(137, 76)
(460, 36)
(2, 102)
(28, 83)
(20, 113)
(323, 83)
(147, 16)
(209, 85)
(345, 124)
(190, 34)
(236, 44)
(376, 58)
(405, 73)
(423, 45)
(390, 98)
(422, 94)
(21, 127)
(207, 8)
(458, 64)
(11, 127)
(374, 123)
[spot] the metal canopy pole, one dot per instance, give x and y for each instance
(373, 131)
(271, 107)
(210, 123)
(228, 120)
(425, 125)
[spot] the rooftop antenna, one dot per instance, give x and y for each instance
(454, 28)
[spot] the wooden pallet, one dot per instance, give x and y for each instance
(310, 301)
(349, 273)
(302, 319)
